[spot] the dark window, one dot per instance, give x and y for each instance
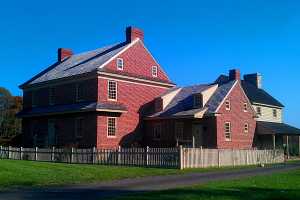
(79, 127)
(51, 96)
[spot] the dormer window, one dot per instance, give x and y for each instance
(197, 100)
(154, 71)
(120, 64)
(227, 105)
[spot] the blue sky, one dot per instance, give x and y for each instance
(194, 41)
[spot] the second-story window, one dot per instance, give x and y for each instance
(258, 110)
(227, 105)
(154, 71)
(275, 113)
(79, 92)
(112, 90)
(120, 64)
(51, 96)
(227, 131)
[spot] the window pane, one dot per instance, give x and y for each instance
(111, 126)
(112, 90)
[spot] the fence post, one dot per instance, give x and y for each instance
(36, 153)
(233, 162)
(53, 154)
(21, 153)
(94, 155)
(9, 152)
(201, 157)
(72, 155)
(119, 155)
(219, 160)
(1, 152)
(247, 162)
(147, 156)
(181, 163)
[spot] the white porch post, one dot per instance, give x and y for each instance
(274, 142)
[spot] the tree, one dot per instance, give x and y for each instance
(9, 107)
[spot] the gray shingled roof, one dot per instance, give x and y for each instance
(264, 128)
(78, 64)
(257, 95)
(183, 103)
(217, 98)
(70, 108)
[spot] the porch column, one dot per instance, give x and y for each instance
(287, 147)
(299, 145)
(274, 142)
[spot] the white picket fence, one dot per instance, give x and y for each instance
(203, 158)
(147, 157)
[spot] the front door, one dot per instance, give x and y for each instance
(197, 131)
(51, 133)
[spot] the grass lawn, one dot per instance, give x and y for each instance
(15, 173)
(280, 186)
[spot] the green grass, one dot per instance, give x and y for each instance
(280, 186)
(16, 173)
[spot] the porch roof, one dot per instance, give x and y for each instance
(271, 128)
(72, 108)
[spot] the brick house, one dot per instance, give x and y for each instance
(209, 115)
(94, 98)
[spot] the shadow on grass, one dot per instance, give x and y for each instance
(178, 194)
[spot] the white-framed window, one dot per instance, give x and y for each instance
(51, 96)
(246, 128)
(120, 63)
(258, 111)
(154, 71)
(111, 126)
(275, 113)
(34, 98)
(112, 90)
(227, 104)
(179, 130)
(245, 107)
(79, 92)
(157, 131)
(227, 131)
(79, 127)
(197, 100)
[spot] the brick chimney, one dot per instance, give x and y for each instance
(234, 74)
(254, 79)
(63, 54)
(132, 33)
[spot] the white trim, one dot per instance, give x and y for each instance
(110, 110)
(266, 105)
(222, 102)
(164, 85)
(117, 63)
(113, 81)
(111, 136)
(123, 50)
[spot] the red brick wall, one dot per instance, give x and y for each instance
(237, 117)
(135, 97)
(138, 61)
(65, 93)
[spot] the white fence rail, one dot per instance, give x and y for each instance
(147, 157)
